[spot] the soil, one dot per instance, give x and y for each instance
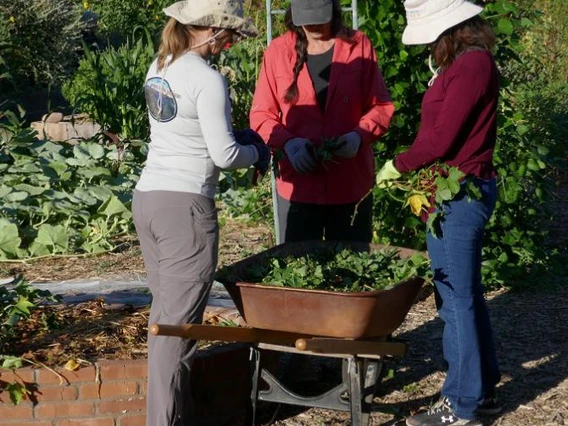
(530, 328)
(107, 331)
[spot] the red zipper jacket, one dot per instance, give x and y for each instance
(357, 100)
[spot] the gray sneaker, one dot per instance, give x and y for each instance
(440, 414)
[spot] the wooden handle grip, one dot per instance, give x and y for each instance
(171, 330)
(355, 347)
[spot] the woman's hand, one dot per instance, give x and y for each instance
(299, 152)
(386, 173)
(348, 145)
(250, 137)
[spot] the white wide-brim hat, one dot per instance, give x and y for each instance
(226, 14)
(426, 20)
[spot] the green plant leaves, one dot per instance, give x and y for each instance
(17, 302)
(11, 362)
(113, 206)
(9, 240)
(41, 47)
(505, 26)
(56, 191)
(50, 240)
(109, 87)
(17, 392)
(337, 269)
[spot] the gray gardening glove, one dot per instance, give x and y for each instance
(348, 145)
(299, 152)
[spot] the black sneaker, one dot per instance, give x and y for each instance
(490, 405)
(440, 414)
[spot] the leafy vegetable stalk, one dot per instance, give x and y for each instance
(425, 190)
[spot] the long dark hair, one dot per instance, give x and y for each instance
(338, 29)
(473, 33)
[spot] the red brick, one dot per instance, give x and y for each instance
(64, 410)
(19, 375)
(123, 406)
(112, 370)
(137, 369)
(112, 389)
(104, 421)
(16, 412)
(56, 393)
(132, 420)
(29, 423)
(84, 374)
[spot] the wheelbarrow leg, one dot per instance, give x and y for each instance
(362, 377)
(255, 359)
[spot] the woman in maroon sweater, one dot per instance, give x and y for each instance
(458, 127)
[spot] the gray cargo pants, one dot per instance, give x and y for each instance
(179, 237)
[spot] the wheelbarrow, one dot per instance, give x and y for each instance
(355, 327)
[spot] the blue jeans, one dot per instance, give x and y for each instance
(456, 262)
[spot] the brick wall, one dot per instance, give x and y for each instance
(112, 393)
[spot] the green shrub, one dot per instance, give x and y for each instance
(39, 40)
(513, 246)
(117, 18)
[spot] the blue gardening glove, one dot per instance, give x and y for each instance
(348, 145)
(247, 137)
(386, 173)
(299, 152)
(250, 137)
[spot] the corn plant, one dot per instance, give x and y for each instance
(109, 86)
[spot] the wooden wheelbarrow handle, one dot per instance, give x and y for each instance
(345, 346)
(227, 334)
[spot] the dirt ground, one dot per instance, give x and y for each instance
(530, 328)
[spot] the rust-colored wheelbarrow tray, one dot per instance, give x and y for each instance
(315, 312)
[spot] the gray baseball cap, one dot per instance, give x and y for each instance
(311, 12)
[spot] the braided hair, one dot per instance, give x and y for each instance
(338, 29)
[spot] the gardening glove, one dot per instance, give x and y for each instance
(250, 137)
(263, 158)
(299, 152)
(386, 173)
(348, 145)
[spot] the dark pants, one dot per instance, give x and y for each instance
(304, 221)
(178, 235)
(455, 257)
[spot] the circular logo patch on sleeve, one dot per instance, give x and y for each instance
(160, 99)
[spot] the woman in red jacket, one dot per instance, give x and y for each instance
(320, 81)
(458, 127)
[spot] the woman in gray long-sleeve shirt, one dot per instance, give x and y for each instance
(173, 206)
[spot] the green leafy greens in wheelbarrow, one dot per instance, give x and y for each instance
(337, 269)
